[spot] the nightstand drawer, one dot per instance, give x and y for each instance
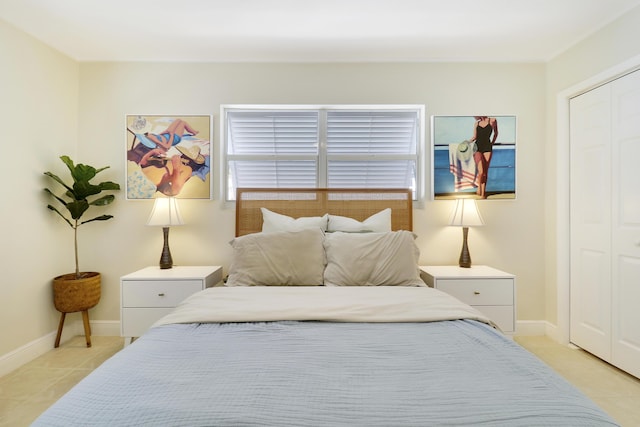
(479, 291)
(161, 293)
(136, 321)
(502, 315)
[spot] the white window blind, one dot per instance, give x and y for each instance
(300, 147)
(372, 132)
(372, 149)
(284, 133)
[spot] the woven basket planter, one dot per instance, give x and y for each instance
(71, 295)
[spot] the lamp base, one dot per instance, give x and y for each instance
(465, 256)
(165, 259)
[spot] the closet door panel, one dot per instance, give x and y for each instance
(626, 327)
(590, 173)
(625, 230)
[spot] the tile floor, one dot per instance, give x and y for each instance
(615, 391)
(29, 390)
(32, 388)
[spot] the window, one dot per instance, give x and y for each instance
(332, 147)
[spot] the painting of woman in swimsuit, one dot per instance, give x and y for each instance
(474, 157)
(168, 156)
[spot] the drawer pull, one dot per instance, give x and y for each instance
(476, 292)
(161, 295)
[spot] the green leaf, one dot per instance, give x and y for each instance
(59, 213)
(61, 200)
(109, 185)
(72, 195)
(83, 172)
(67, 161)
(98, 218)
(77, 208)
(79, 172)
(84, 189)
(58, 180)
(103, 201)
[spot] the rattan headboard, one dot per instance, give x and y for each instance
(353, 203)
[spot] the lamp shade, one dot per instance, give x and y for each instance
(165, 212)
(466, 214)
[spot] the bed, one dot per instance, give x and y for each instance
(350, 338)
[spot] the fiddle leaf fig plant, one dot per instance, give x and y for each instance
(79, 196)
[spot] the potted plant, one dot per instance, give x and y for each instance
(79, 291)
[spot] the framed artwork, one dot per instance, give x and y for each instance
(168, 156)
(473, 157)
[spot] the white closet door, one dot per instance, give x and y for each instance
(590, 189)
(625, 236)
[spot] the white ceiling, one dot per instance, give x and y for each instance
(312, 31)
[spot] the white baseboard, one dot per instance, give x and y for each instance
(36, 348)
(539, 328)
(102, 328)
(553, 332)
(18, 357)
(531, 327)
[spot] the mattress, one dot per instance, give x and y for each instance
(338, 371)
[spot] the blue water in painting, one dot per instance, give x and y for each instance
(502, 171)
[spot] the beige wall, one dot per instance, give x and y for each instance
(609, 51)
(511, 240)
(39, 113)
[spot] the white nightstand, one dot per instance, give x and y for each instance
(489, 290)
(149, 294)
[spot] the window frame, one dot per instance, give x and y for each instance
(323, 157)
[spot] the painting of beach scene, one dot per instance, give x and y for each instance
(473, 157)
(168, 156)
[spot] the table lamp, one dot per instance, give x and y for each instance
(465, 215)
(165, 213)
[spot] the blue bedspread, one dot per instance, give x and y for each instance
(290, 373)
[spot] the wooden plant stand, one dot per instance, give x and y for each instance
(71, 295)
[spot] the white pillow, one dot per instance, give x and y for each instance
(372, 259)
(272, 221)
(379, 222)
(281, 258)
